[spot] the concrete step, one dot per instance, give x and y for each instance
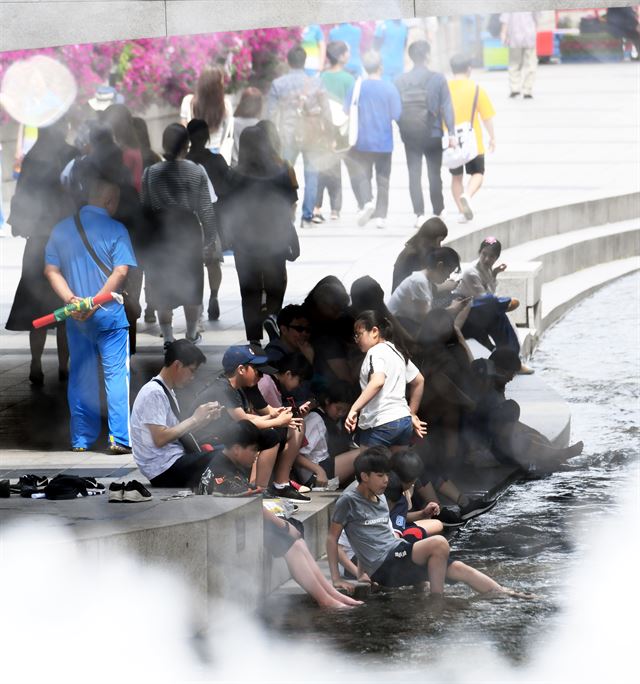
(561, 294)
(576, 250)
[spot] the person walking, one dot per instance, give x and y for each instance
(469, 100)
(337, 82)
(390, 39)
(351, 34)
(175, 193)
(298, 106)
(89, 254)
(426, 103)
(518, 33)
(247, 113)
(379, 106)
(258, 217)
(37, 205)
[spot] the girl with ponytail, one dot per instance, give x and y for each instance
(381, 412)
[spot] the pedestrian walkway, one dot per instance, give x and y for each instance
(576, 140)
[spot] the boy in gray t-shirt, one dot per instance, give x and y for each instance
(386, 559)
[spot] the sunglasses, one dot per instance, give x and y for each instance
(300, 328)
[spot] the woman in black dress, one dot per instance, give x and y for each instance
(176, 195)
(39, 203)
(258, 221)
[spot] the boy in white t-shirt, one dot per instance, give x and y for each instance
(381, 412)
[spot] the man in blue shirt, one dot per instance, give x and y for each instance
(103, 331)
(390, 39)
(352, 36)
(426, 104)
(378, 106)
(297, 104)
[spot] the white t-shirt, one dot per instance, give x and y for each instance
(215, 137)
(152, 407)
(390, 402)
(411, 296)
(315, 432)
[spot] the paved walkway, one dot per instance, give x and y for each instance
(577, 140)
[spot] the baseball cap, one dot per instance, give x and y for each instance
(242, 354)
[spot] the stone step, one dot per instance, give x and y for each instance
(576, 250)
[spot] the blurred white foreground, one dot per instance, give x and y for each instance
(69, 617)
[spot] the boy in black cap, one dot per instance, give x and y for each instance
(236, 389)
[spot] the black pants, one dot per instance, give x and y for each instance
(431, 149)
(185, 472)
(361, 165)
(330, 179)
(258, 274)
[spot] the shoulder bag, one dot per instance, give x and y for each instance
(467, 149)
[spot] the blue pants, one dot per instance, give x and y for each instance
(86, 344)
(290, 152)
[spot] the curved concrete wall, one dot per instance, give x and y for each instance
(42, 23)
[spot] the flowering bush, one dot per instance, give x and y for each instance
(163, 70)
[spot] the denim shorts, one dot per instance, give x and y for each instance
(396, 433)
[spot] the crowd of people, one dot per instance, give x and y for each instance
(352, 388)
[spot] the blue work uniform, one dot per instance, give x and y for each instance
(104, 335)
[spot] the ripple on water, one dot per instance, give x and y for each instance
(528, 541)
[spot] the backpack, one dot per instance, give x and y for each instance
(416, 120)
(310, 126)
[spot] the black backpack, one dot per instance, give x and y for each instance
(416, 120)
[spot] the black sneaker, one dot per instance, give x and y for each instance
(288, 492)
(450, 516)
(30, 484)
(477, 507)
(270, 325)
(93, 486)
(135, 492)
(5, 489)
(116, 492)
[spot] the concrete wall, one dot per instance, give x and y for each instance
(41, 23)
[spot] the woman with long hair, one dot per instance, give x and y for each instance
(175, 192)
(258, 219)
(429, 237)
(208, 103)
(248, 113)
(38, 204)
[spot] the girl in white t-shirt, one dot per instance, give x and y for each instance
(381, 412)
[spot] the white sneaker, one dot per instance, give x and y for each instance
(381, 223)
(462, 219)
(365, 213)
(466, 207)
(419, 221)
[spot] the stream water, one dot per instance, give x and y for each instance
(539, 532)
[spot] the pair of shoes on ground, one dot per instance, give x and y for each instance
(131, 492)
(288, 492)
(25, 486)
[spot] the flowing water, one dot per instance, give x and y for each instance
(539, 532)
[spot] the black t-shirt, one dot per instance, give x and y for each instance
(220, 390)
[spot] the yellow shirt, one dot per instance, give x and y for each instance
(463, 91)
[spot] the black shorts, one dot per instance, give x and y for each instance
(398, 570)
(270, 437)
(329, 467)
(277, 541)
(476, 165)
